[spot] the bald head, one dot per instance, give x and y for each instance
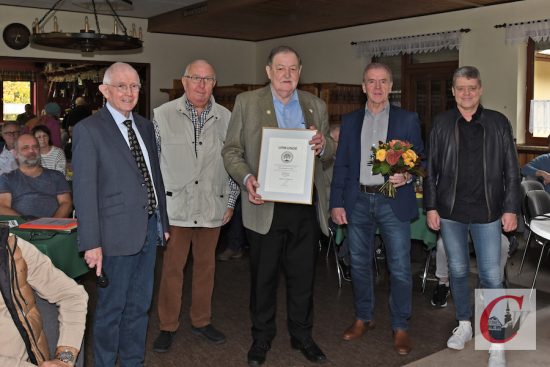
(198, 82)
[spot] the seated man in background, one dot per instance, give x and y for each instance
(23, 341)
(32, 190)
(539, 168)
(10, 132)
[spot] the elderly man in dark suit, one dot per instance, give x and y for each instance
(280, 234)
(355, 200)
(121, 208)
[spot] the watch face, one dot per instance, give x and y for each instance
(65, 356)
(16, 36)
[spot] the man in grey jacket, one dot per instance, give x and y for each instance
(200, 199)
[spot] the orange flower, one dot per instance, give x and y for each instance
(392, 157)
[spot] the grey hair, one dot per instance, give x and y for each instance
(186, 72)
(378, 65)
(282, 49)
(113, 68)
(9, 123)
(468, 72)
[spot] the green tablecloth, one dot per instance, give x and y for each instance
(419, 230)
(60, 247)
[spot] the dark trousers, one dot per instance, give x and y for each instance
(120, 325)
(290, 244)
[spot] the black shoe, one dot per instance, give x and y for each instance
(441, 293)
(257, 353)
(344, 268)
(309, 349)
(210, 333)
(163, 341)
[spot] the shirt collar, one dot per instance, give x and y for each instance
(190, 107)
(385, 110)
(293, 98)
(117, 116)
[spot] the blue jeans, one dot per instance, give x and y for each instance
(373, 211)
(121, 318)
(486, 238)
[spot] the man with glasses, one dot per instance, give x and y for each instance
(281, 235)
(10, 132)
(472, 187)
(121, 208)
(200, 198)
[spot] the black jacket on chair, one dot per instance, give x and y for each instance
(500, 164)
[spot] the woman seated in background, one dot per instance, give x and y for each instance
(52, 156)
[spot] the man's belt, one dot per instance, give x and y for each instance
(370, 189)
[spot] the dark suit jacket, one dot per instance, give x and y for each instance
(403, 125)
(110, 196)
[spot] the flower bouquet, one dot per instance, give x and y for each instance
(396, 156)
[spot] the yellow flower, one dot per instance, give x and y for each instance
(409, 158)
(381, 155)
(410, 154)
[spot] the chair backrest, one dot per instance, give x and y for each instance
(526, 186)
(538, 203)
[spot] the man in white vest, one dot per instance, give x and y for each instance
(200, 199)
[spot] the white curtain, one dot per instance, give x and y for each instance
(539, 118)
(519, 33)
(409, 44)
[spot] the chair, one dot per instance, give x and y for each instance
(526, 186)
(538, 208)
(332, 243)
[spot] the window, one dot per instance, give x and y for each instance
(537, 119)
(15, 96)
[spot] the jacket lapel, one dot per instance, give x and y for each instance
(114, 138)
(268, 118)
(307, 109)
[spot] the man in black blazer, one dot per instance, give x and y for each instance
(121, 208)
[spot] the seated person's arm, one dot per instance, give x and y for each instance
(65, 205)
(5, 205)
(54, 286)
(14, 362)
(538, 167)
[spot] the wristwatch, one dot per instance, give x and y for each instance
(66, 356)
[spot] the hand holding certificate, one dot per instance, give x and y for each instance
(286, 165)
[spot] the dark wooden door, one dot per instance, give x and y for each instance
(427, 90)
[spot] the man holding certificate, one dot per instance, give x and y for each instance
(282, 233)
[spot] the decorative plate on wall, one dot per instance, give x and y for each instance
(16, 36)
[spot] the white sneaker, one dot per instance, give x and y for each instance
(461, 334)
(497, 358)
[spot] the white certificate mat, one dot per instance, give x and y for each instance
(286, 165)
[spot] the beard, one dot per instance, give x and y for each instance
(31, 162)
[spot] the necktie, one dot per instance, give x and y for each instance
(142, 166)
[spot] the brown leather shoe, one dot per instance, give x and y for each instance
(357, 329)
(401, 342)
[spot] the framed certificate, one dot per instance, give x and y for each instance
(286, 165)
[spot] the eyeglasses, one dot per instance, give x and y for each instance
(123, 88)
(11, 133)
(195, 79)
